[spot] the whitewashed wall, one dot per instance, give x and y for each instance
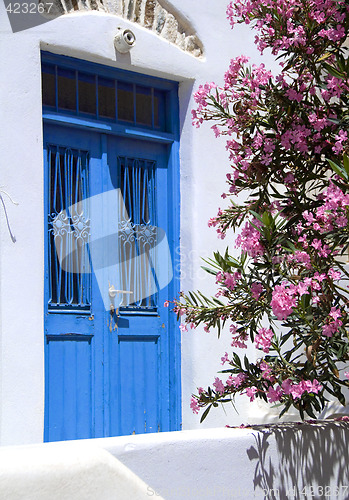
(89, 35)
(290, 461)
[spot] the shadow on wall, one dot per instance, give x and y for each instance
(301, 460)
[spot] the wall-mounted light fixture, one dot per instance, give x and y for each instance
(124, 40)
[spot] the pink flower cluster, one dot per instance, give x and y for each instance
(201, 94)
(297, 390)
(249, 240)
(263, 339)
(225, 358)
(218, 384)
(324, 12)
(266, 370)
(256, 290)
(228, 280)
(341, 137)
(239, 338)
(238, 380)
(283, 300)
(284, 296)
(194, 405)
(330, 215)
(300, 257)
(274, 395)
(333, 323)
(251, 392)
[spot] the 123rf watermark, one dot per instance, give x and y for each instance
(208, 492)
(330, 492)
(211, 492)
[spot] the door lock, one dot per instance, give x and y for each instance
(112, 294)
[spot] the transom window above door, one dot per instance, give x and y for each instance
(113, 97)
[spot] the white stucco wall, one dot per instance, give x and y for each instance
(67, 470)
(290, 461)
(203, 166)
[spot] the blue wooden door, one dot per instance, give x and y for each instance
(108, 365)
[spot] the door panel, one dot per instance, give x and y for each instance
(107, 276)
(69, 387)
(139, 385)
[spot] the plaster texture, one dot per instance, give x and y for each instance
(287, 461)
(290, 460)
(74, 471)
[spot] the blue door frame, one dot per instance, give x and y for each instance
(110, 372)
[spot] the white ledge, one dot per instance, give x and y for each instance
(276, 461)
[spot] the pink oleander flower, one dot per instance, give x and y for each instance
(340, 138)
(194, 405)
(266, 371)
(335, 313)
(329, 329)
(166, 303)
(335, 275)
(300, 257)
(256, 290)
(218, 384)
(238, 380)
(274, 394)
(297, 390)
(249, 240)
(315, 387)
(180, 311)
(302, 289)
(230, 280)
(250, 392)
(238, 337)
(293, 95)
(263, 339)
(224, 358)
(238, 343)
(289, 178)
(346, 374)
(283, 301)
(286, 386)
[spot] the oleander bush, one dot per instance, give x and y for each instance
(287, 140)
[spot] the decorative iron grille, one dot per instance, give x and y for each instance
(138, 232)
(69, 229)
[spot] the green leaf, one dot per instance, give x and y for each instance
(301, 412)
(257, 216)
(208, 270)
(346, 163)
(204, 415)
(338, 169)
(286, 408)
(310, 412)
(334, 72)
(246, 363)
(325, 56)
(237, 360)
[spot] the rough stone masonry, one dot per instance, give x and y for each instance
(147, 13)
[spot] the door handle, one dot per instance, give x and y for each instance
(112, 294)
